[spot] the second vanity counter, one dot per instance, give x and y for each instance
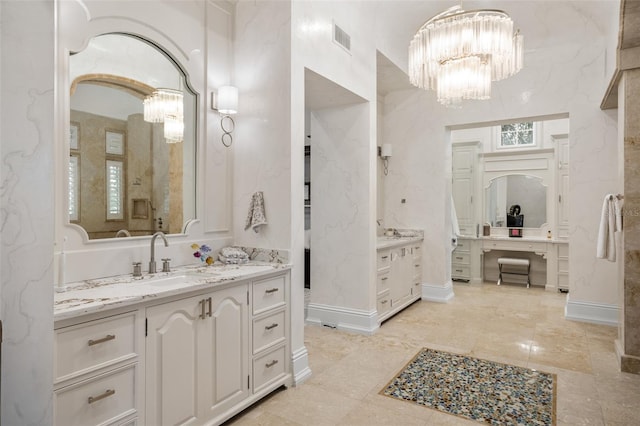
(99, 295)
(396, 241)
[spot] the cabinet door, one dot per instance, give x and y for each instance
(225, 350)
(400, 275)
(462, 188)
(172, 373)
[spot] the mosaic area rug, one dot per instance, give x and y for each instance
(485, 391)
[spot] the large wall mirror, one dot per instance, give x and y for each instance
(514, 195)
(132, 140)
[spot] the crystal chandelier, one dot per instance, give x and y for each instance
(166, 106)
(459, 53)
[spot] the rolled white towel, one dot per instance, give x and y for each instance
(234, 253)
(232, 261)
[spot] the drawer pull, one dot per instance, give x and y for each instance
(104, 339)
(417, 265)
(209, 303)
(271, 290)
(271, 364)
(458, 257)
(203, 315)
(107, 393)
(270, 327)
(459, 270)
(384, 278)
(384, 257)
(384, 301)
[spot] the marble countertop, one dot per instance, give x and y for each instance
(98, 295)
(388, 242)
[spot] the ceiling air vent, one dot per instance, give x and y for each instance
(341, 37)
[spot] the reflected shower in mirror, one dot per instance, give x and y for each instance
(516, 201)
(132, 140)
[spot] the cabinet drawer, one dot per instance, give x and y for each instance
(463, 246)
(104, 399)
(460, 271)
(384, 303)
(460, 258)
(268, 368)
(268, 331)
(563, 280)
(563, 265)
(417, 271)
(384, 259)
(268, 293)
(85, 347)
(383, 282)
(563, 250)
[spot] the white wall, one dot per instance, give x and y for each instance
(563, 78)
(26, 271)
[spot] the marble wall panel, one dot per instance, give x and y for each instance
(340, 244)
(26, 230)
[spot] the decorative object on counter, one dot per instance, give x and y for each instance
(233, 256)
(486, 230)
(390, 232)
(256, 216)
(202, 253)
(515, 232)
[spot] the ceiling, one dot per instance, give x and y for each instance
(544, 23)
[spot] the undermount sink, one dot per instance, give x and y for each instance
(168, 280)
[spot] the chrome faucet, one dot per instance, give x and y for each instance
(152, 261)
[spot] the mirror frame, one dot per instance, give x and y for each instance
(187, 221)
(506, 175)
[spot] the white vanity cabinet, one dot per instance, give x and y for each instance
(399, 278)
(196, 363)
(192, 357)
(96, 371)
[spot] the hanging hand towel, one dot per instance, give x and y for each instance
(610, 223)
(256, 216)
(455, 227)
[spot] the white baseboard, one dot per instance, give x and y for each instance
(596, 313)
(300, 363)
(437, 293)
(353, 320)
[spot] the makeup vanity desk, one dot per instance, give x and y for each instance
(555, 252)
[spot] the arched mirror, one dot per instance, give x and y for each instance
(132, 140)
(516, 201)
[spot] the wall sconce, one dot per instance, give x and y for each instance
(385, 152)
(225, 101)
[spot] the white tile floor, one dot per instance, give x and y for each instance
(509, 324)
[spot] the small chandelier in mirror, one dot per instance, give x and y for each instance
(459, 53)
(166, 106)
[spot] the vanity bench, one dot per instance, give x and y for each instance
(514, 266)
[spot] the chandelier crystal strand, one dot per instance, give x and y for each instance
(459, 53)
